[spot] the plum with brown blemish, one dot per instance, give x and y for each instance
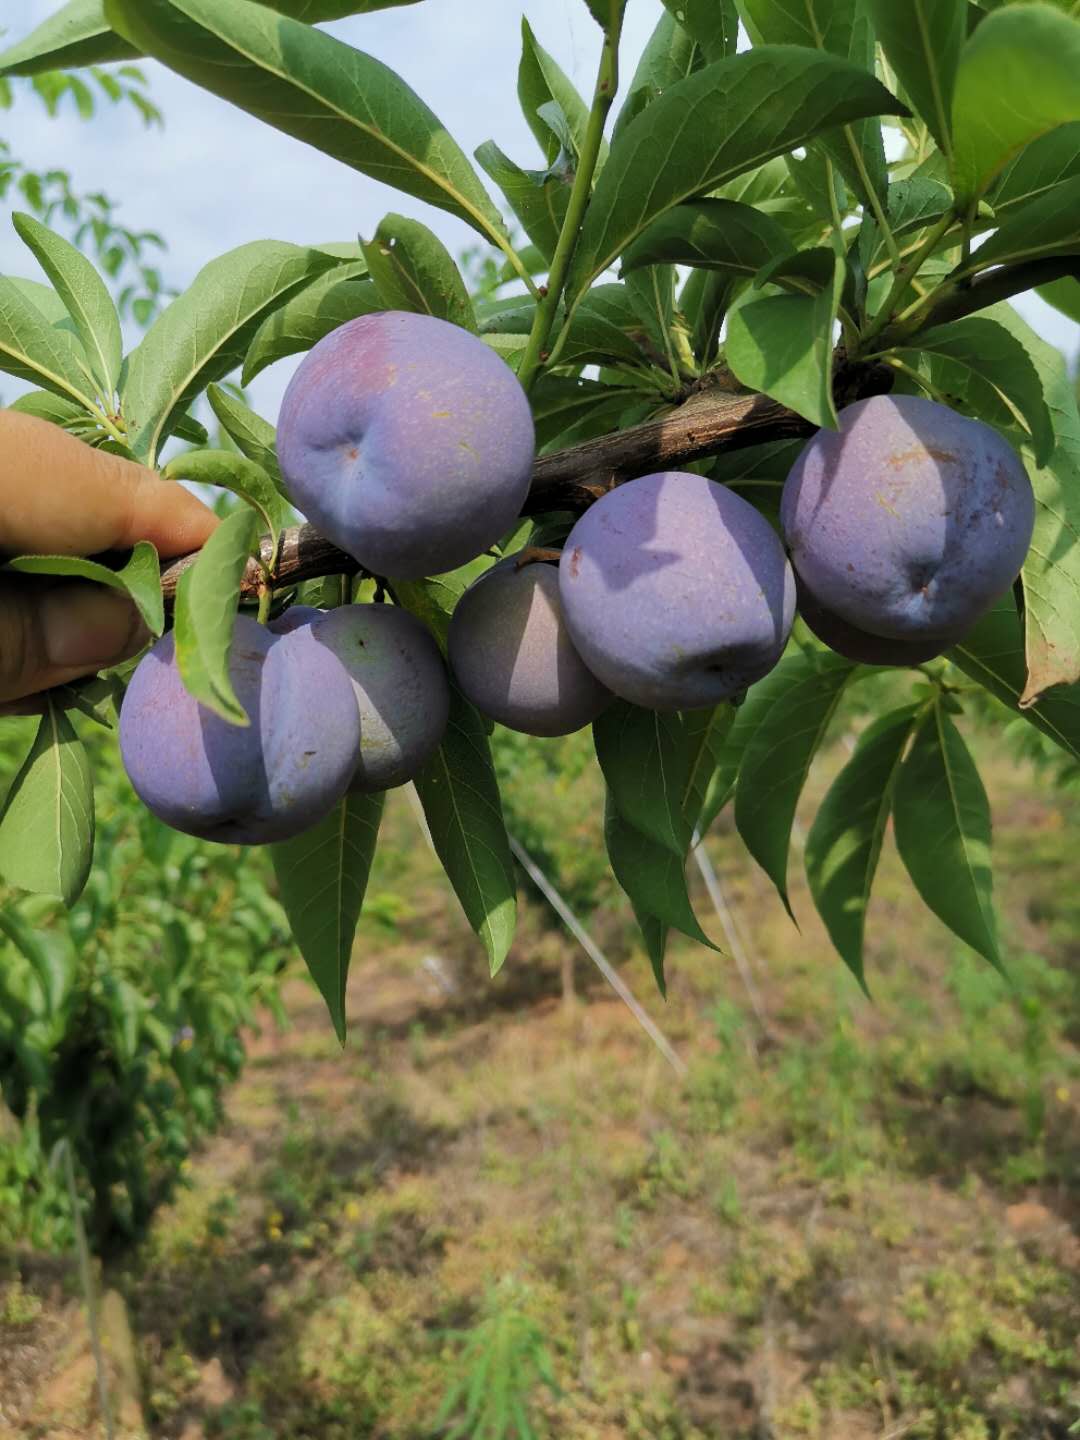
(245, 785)
(908, 522)
(408, 442)
(512, 655)
(676, 592)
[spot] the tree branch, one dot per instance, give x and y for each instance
(709, 422)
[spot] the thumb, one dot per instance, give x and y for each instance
(51, 636)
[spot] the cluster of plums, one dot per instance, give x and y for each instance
(409, 443)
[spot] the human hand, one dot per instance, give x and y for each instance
(60, 497)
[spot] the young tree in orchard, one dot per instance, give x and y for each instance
(747, 417)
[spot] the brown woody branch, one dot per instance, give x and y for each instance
(708, 422)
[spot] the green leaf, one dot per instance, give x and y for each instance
(651, 292)
(777, 758)
(643, 756)
(303, 320)
(602, 328)
(563, 405)
(670, 54)
(653, 877)
(206, 604)
(140, 578)
(1046, 225)
(782, 345)
(714, 24)
(460, 796)
(541, 81)
(538, 198)
(314, 12)
(253, 436)
(1063, 295)
(34, 349)
(992, 653)
(47, 823)
(712, 235)
(316, 88)
(705, 300)
(841, 28)
(922, 40)
(240, 476)
(322, 876)
(1029, 56)
(413, 270)
(76, 36)
(85, 296)
(916, 203)
(707, 732)
(1039, 167)
(1051, 573)
(844, 842)
(711, 127)
(206, 332)
(55, 408)
(998, 358)
(942, 826)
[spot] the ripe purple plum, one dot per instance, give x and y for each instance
(513, 657)
(295, 618)
(910, 521)
(243, 785)
(862, 647)
(401, 693)
(408, 442)
(676, 592)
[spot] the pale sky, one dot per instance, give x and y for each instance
(215, 178)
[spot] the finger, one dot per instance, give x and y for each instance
(59, 496)
(52, 636)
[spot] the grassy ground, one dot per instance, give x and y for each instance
(500, 1207)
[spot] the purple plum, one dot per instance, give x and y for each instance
(910, 521)
(244, 785)
(408, 442)
(402, 696)
(513, 657)
(295, 618)
(859, 645)
(676, 592)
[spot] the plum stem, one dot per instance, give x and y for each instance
(607, 82)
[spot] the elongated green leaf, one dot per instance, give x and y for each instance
(541, 80)
(652, 876)
(1046, 225)
(704, 301)
(643, 756)
(942, 824)
(538, 198)
(1039, 167)
(707, 731)
(85, 295)
(992, 653)
(239, 475)
(777, 760)
(917, 202)
(782, 345)
(1051, 573)
(670, 54)
(77, 35)
(317, 88)
(303, 320)
(1063, 295)
(314, 12)
(206, 604)
(206, 332)
(58, 410)
(602, 327)
(413, 270)
(714, 24)
(1018, 78)
(922, 40)
(563, 405)
(140, 578)
(842, 28)
(710, 234)
(32, 348)
(47, 824)
(253, 436)
(844, 842)
(709, 128)
(998, 358)
(322, 876)
(460, 796)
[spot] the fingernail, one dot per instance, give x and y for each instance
(88, 625)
